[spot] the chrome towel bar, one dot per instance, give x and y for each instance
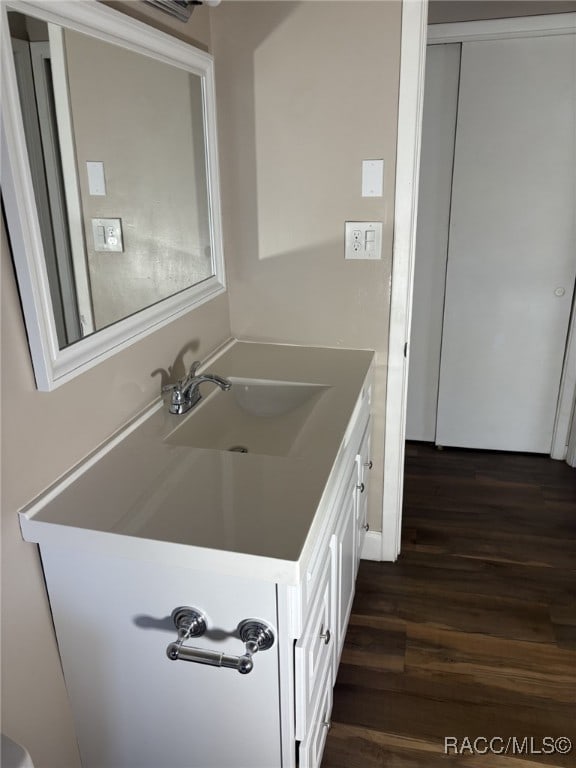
(255, 634)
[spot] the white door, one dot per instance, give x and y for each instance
(512, 248)
(436, 160)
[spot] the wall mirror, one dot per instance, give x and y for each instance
(109, 179)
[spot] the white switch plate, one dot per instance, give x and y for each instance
(107, 234)
(363, 240)
(96, 181)
(372, 178)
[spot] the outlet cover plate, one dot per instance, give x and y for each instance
(363, 240)
(107, 234)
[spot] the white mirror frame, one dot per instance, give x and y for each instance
(54, 366)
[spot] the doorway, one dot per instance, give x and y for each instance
(414, 38)
(494, 267)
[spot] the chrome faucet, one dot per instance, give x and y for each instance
(186, 392)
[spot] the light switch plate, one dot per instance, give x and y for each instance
(107, 234)
(96, 181)
(363, 240)
(372, 178)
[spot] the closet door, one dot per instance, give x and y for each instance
(438, 130)
(511, 258)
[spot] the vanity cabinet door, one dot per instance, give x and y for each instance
(344, 564)
(312, 747)
(363, 467)
(314, 649)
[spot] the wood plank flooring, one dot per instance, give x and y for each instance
(472, 633)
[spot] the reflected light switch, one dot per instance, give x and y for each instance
(96, 182)
(99, 237)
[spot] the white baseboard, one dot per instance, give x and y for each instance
(375, 548)
(372, 547)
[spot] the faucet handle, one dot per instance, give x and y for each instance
(181, 382)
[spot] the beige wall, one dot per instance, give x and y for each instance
(443, 11)
(306, 90)
(43, 435)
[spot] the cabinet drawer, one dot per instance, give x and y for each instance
(312, 746)
(313, 649)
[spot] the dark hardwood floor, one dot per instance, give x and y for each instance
(472, 632)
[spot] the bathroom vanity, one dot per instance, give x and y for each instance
(250, 507)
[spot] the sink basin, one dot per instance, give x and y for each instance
(258, 416)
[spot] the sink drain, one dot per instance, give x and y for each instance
(238, 449)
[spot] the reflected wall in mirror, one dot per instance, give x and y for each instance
(112, 194)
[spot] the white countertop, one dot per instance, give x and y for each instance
(145, 497)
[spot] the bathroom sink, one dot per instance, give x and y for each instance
(257, 416)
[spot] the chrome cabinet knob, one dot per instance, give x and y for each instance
(325, 636)
(361, 487)
(368, 464)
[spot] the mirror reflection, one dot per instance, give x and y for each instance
(117, 152)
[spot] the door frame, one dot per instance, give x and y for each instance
(415, 37)
(58, 193)
(410, 105)
(70, 176)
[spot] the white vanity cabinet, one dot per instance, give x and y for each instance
(132, 706)
(113, 596)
